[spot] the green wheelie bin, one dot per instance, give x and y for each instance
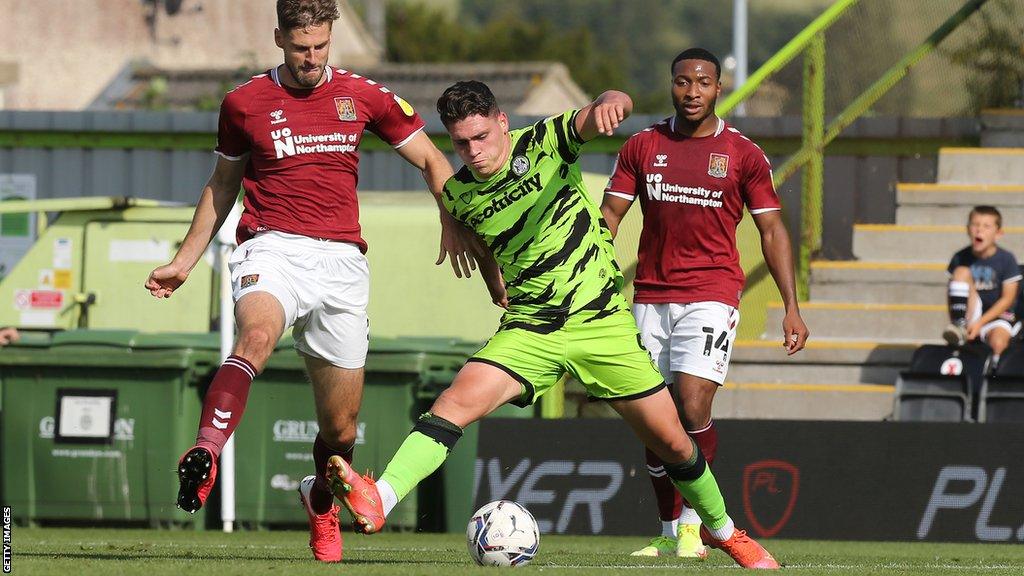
(274, 441)
(93, 422)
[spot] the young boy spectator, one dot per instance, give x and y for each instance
(983, 285)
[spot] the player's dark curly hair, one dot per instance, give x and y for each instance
(464, 99)
(698, 54)
(296, 14)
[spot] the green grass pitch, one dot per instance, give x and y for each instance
(86, 552)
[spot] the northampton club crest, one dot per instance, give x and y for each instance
(346, 109)
(718, 165)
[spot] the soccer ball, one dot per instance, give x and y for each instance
(502, 533)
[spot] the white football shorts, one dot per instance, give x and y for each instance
(695, 338)
(323, 286)
(1007, 320)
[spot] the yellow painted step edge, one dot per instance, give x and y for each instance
(926, 228)
(866, 306)
(970, 188)
(864, 265)
(1000, 151)
(789, 387)
(825, 344)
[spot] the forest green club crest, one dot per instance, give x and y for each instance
(520, 165)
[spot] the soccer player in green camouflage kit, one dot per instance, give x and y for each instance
(553, 269)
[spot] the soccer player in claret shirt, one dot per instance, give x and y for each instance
(548, 259)
(289, 137)
(693, 175)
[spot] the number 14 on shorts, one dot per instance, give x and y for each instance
(710, 342)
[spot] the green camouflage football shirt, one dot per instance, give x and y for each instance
(545, 232)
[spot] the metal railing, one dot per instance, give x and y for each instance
(810, 42)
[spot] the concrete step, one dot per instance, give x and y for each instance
(897, 243)
(1002, 139)
(879, 292)
(828, 380)
(858, 281)
(981, 166)
(806, 373)
(914, 215)
(821, 362)
(864, 271)
(870, 321)
(964, 195)
(868, 402)
(1002, 119)
(821, 351)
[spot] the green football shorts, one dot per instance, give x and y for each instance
(604, 355)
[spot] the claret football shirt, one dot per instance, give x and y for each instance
(692, 192)
(303, 150)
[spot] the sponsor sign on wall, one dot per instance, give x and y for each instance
(822, 480)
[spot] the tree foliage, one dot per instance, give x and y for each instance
(420, 33)
(604, 43)
(630, 45)
(994, 58)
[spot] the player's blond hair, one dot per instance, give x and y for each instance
(295, 14)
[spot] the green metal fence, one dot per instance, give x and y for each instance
(817, 135)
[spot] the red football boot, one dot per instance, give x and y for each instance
(197, 470)
(743, 549)
(324, 529)
(357, 493)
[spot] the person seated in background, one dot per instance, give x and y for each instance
(983, 285)
(9, 334)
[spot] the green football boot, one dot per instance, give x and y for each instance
(660, 546)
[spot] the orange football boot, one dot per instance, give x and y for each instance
(743, 549)
(357, 493)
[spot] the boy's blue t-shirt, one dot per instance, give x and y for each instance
(989, 273)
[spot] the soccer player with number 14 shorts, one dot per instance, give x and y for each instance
(548, 258)
(693, 175)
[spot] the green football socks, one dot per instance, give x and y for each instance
(424, 450)
(416, 459)
(694, 480)
(705, 497)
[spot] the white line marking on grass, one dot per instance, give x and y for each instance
(866, 565)
(901, 566)
(622, 567)
(124, 544)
